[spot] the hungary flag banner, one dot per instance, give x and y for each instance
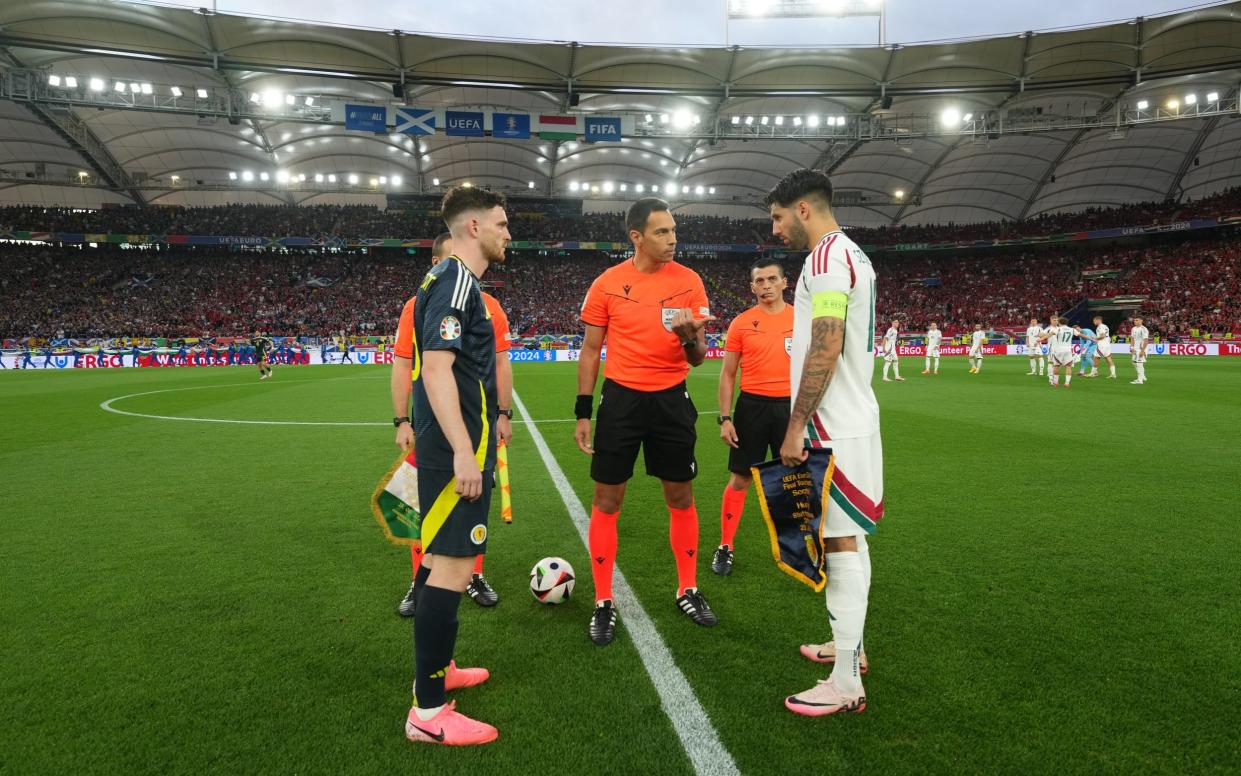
(558, 127)
(395, 502)
(794, 505)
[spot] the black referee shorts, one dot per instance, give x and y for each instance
(662, 423)
(761, 423)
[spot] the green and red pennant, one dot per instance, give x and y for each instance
(558, 127)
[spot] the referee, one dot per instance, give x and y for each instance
(758, 342)
(651, 312)
(455, 411)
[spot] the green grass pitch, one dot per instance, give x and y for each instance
(1055, 585)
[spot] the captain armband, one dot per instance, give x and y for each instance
(829, 303)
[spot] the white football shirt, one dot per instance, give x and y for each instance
(978, 338)
(848, 408)
(933, 337)
(1032, 335)
(889, 341)
(1138, 338)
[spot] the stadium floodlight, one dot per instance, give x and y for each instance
(310, 101)
(624, 187)
(684, 189)
(383, 180)
(395, 180)
(96, 85)
(699, 190)
(176, 178)
(711, 190)
(272, 98)
(681, 119)
(1143, 104)
(640, 188)
(426, 158)
(301, 177)
(664, 118)
(71, 82)
(696, 119)
(594, 189)
(376, 181)
(812, 121)
(290, 99)
(529, 184)
(119, 86)
(176, 91)
(831, 121)
(247, 176)
(256, 98)
(148, 89)
(608, 187)
(967, 118)
(435, 181)
(202, 94)
(663, 162)
(764, 120)
(573, 186)
(135, 87)
(779, 121)
(232, 176)
(649, 118)
(53, 80)
(840, 121)
(1191, 99)
(899, 194)
(467, 185)
(353, 180)
(282, 176)
(1212, 96)
(749, 120)
(331, 178)
(264, 176)
(1173, 104)
(951, 118)
(797, 121)
(736, 120)
(318, 177)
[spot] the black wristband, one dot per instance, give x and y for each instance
(400, 421)
(584, 407)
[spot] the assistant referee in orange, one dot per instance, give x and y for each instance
(651, 312)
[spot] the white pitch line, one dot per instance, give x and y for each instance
(698, 736)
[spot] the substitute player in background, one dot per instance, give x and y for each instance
(1060, 336)
(455, 408)
(977, 341)
(262, 353)
(1139, 340)
(1103, 339)
(1034, 347)
(890, 357)
(933, 337)
(834, 406)
(651, 311)
(758, 341)
(479, 590)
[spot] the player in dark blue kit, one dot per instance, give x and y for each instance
(262, 346)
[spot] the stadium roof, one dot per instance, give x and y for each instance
(1041, 137)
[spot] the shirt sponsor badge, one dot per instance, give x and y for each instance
(450, 328)
(669, 313)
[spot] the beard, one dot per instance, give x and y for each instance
(799, 240)
(494, 252)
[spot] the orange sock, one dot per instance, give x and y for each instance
(415, 554)
(683, 536)
(478, 565)
(602, 551)
(730, 514)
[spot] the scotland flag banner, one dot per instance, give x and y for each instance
(415, 121)
(395, 502)
(794, 505)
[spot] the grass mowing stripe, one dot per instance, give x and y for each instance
(693, 727)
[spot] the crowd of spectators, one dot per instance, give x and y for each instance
(552, 221)
(1190, 284)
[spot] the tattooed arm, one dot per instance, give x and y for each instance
(827, 338)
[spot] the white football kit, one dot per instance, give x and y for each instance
(847, 418)
(933, 338)
(1104, 340)
(889, 345)
(1061, 345)
(976, 342)
(1032, 344)
(1138, 339)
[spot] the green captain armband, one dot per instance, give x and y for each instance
(833, 303)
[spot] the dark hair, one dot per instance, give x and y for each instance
(438, 245)
(459, 199)
(798, 185)
(640, 212)
(767, 263)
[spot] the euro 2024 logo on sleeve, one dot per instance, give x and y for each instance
(450, 328)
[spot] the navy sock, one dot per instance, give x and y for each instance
(435, 638)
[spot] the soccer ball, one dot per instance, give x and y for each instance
(551, 580)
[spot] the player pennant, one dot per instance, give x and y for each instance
(506, 496)
(395, 502)
(794, 505)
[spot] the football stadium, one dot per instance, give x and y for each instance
(714, 387)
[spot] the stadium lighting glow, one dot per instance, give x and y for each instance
(1190, 99)
(967, 118)
(282, 176)
(699, 190)
(272, 98)
(82, 173)
(135, 87)
(289, 99)
(711, 190)
(764, 120)
(255, 97)
(951, 117)
(736, 120)
(831, 121)
(176, 91)
(681, 119)
(264, 176)
(1143, 104)
(232, 176)
(375, 182)
(1212, 96)
(840, 121)
(594, 189)
(573, 186)
(301, 178)
(608, 187)
(624, 187)
(1173, 104)
(119, 86)
(696, 120)
(96, 84)
(247, 176)
(663, 162)
(310, 101)
(812, 121)
(332, 179)
(649, 118)
(148, 89)
(71, 82)
(467, 185)
(664, 118)
(318, 177)
(639, 188)
(529, 184)
(383, 179)
(202, 94)
(797, 121)
(53, 80)
(779, 121)
(899, 193)
(353, 180)
(684, 189)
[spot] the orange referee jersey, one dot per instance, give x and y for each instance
(405, 327)
(637, 310)
(763, 340)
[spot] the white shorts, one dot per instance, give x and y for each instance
(975, 352)
(1138, 358)
(1035, 351)
(933, 352)
(855, 505)
(889, 357)
(1105, 349)
(1061, 357)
